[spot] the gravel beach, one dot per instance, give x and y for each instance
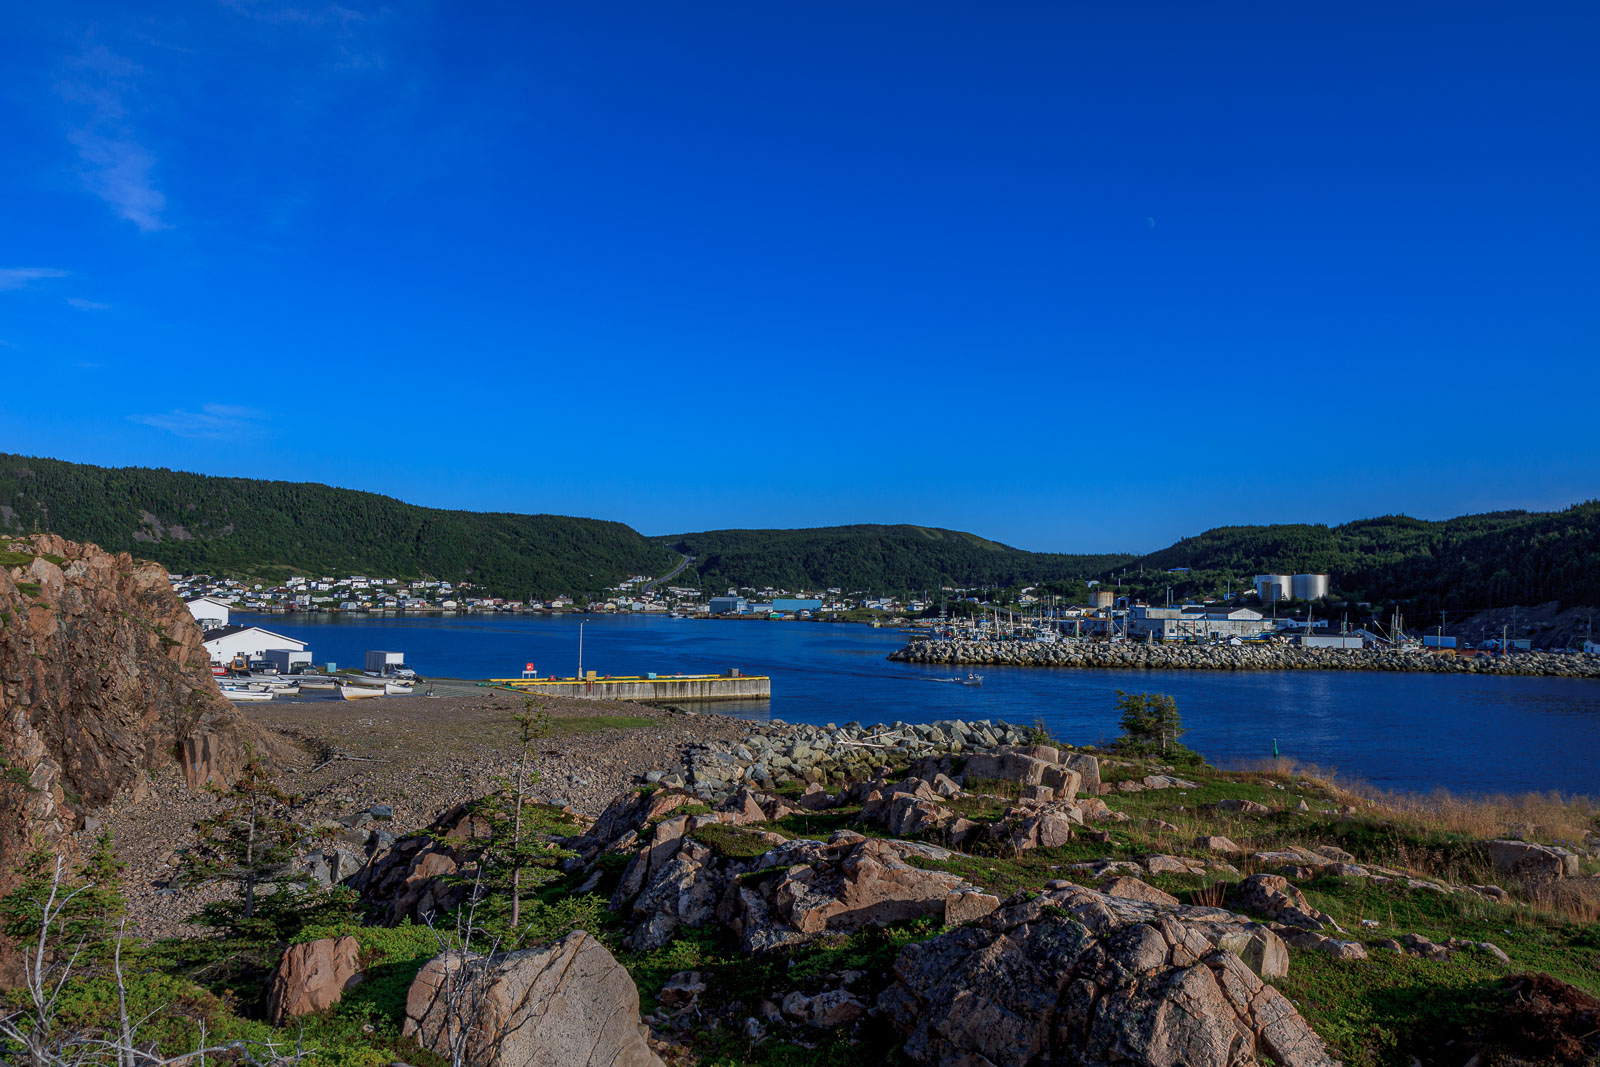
(420, 755)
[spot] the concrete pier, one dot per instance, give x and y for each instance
(643, 687)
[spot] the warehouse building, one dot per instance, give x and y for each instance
(224, 643)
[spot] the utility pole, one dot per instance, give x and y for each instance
(580, 650)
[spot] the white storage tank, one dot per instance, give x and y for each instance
(1309, 586)
(1271, 587)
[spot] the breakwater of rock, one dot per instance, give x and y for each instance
(1128, 654)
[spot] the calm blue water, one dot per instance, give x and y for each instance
(1401, 731)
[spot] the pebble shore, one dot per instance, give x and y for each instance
(1129, 654)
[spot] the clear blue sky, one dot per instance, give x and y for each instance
(1074, 276)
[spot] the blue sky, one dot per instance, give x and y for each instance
(1076, 277)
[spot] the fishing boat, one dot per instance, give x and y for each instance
(397, 689)
(972, 679)
(240, 695)
(359, 692)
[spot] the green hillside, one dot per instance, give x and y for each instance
(243, 526)
(1467, 563)
(884, 559)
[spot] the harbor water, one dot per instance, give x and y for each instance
(1466, 733)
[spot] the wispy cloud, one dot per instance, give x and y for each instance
(213, 422)
(350, 34)
(87, 305)
(116, 167)
(17, 277)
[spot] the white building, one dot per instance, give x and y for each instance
(1191, 623)
(208, 611)
(251, 642)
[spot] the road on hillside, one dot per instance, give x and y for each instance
(673, 573)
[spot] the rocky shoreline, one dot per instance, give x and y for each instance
(1237, 658)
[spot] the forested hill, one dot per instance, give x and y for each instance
(881, 559)
(1467, 563)
(247, 527)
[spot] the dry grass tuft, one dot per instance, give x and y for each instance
(1552, 818)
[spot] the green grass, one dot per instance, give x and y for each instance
(740, 843)
(589, 724)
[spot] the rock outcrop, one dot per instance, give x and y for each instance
(1073, 976)
(567, 1004)
(103, 679)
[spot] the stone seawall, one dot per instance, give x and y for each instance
(1236, 658)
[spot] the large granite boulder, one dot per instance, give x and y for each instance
(804, 889)
(1538, 863)
(1074, 977)
(568, 1004)
(312, 977)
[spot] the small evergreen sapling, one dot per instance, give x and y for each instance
(251, 842)
(1150, 720)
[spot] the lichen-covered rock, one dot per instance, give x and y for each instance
(1272, 895)
(815, 888)
(1074, 976)
(568, 1004)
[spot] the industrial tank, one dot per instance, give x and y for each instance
(1271, 587)
(1310, 586)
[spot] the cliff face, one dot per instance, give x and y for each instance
(103, 679)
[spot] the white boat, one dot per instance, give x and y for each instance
(271, 681)
(316, 681)
(359, 692)
(397, 689)
(246, 695)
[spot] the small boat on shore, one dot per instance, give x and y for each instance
(397, 689)
(240, 695)
(359, 692)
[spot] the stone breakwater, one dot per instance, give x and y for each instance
(1237, 658)
(823, 755)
